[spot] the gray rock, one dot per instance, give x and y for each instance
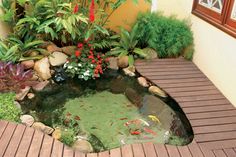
(42, 127)
(157, 91)
(123, 62)
(27, 120)
(17, 105)
(23, 92)
(83, 146)
(134, 97)
(42, 67)
(113, 63)
(143, 82)
(57, 58)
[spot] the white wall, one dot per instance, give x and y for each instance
(215, 51)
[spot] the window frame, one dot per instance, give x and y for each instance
(222, 20)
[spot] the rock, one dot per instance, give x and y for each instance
(23, 92)
(83, 146)
(57, 58)
(17, 104)
(59, 75)
(143, 82)
(34, 53)
(40, 86)
(150, 53)
(56, 134)
(27, 120)
(134, 97)
(53, 48)
(152, 105)
(69, 50)
(28, 64)
(35, 77)
(113, 63)
(118, 85)
(157, 91)
(130, 71)
(123, 62)
(42, 67)
(30, 95)
(42, 127)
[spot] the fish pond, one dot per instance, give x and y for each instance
(109, 112)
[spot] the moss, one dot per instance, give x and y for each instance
(8, 110)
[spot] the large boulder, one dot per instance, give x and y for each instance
(42, 67)
(113, 63)
(83, 146)
(40, 86)
(27, 120)
(57, 58)
(28, 64)
(129, 71)
(53, 48)
(157, 91)
(56, 134)
(123, 61)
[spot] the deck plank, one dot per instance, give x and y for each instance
(115, 152)
(149, 149)
(195, 149)
(15, 141)
(3, 125)
(67, 151)
(57, 149)
(46, 146)
(138, 150)
(104, 154)
(6, 136)
(215, 114)
(127, 151)
(214, 128)
(25, 142)
(184, 151)
(230, 152)
(92, 155)
(161, 150)
(173, 151)
(219, 153)
(80, 154)
(213, 121)
(215, 136)
(36, 144)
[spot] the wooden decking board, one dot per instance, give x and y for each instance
(211, 115)
(36, 144)
(149, 149)
(15, 141)
(6, 137)
(138, 150)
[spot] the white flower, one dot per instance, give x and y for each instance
(86, 73)
(70, 67)
(79, 65)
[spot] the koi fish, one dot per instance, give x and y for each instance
(154, 118)
(150, 131)
(135, 132)
(136, 121)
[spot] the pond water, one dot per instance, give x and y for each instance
(114, 109)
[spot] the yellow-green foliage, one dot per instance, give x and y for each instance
(169, 36)
(8, 110)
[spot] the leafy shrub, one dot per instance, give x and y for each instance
(8, 110)
(127, 45)
(9, 52)
(68, 137)
(167, 35)
(13, 77)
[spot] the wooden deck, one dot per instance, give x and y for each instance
(211, 115)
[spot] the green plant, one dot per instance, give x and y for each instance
(68, 137)
(9, 52)
(128, 45)
(8, 110)
(167, 35)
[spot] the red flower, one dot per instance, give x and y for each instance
(91, 57)
(76, 9)
(77, 53)
(93, 61)
(91, 12)
(98, 56)
(80, 45)
(96, 71)
(107, 59)
(91, 52)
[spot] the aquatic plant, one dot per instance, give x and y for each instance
(13, 77)
(8, 110)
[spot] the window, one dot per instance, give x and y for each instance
(220, 13)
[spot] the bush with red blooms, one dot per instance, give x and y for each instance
(13, 77)
(86, 63)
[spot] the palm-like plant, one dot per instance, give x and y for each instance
(9, 52)
(127, 45)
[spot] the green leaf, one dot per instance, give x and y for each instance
(131, 60)
(139, 52)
